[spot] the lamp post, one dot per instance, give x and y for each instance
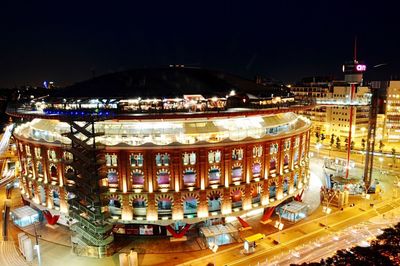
(214, 247)
(37, 246)
(326, 209)
(318, 146)
(380, 161)
(279, 225)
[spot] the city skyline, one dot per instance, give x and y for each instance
(286, 41)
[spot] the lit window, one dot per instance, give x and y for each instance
(28, 150)
(114, 160)
(189, 177)
(38, 152)
(214, 175)
(162, 159)
(257, 151)
(112, 178)
(137, 178)
(237, 154)
(108, 159)
(163, 178)
(273, 148)
(214, 156)
(136, 159)
(52, 154)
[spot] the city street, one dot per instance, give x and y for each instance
(293, 238)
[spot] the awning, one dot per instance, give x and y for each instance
(220, 229)
(293, 207)
(24, 211)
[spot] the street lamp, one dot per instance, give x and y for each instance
(279, 225)
(37, 246)
(326, 209)
(381, 161)
(318, 146)
(214, 247)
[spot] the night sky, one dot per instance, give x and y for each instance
(284, 40)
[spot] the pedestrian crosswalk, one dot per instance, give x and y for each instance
(9, 255)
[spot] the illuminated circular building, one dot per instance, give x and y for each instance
(160, 147)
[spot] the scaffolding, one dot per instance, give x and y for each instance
(93, 235)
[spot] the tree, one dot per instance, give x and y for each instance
(317, 136)
(394, 155)
(352, 145)
(363, 144)
(322, 137)
(332, 140)
(346, 142)
(338, 143)
(381, 145)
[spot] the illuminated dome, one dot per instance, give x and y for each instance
(168, 82)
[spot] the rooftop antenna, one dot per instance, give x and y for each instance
(355, 49)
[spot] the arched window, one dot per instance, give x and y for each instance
(296, 156)
(214, 175)
(40, 168)
(237, 173)
(272, 190)
(256, 169)
(214, 202)
(285, 185)
(137, 178)
(114, 205)
(164, 204)
(295, 178)
(189, 177)
(163, 178)
(112, 178)
(286, 160)
(56, 198)
(272, 164)
(190, 205)
(236, 197)
(53, 175)
(42, 195)
(139, 207)
(53, 172)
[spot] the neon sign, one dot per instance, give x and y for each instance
(361, 68)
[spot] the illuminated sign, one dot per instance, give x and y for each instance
(361, 68)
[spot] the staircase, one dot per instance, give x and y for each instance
(92, 231)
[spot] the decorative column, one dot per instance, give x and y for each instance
(279, 187)
(291, 187)
(267, 160)
(127, 211)
(177, 211)
(152, 214)
(248, 158)
(291, 153)
(63, 201)
(226, 205)
(226, 167)
(246, 201)
(202, 168)
(280, 157)
(36, 199)
(202, 208)
(49, 197)
(265, 193)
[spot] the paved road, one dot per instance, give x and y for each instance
(296, 236)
